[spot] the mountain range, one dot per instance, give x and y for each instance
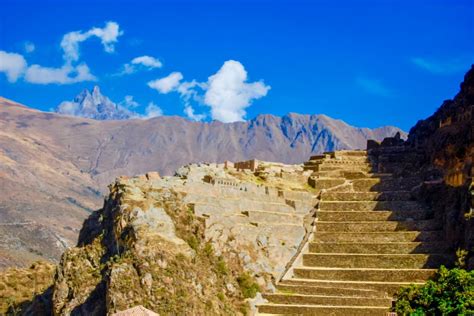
(54, 168)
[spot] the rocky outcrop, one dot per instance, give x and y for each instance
(440, 150)
(210, 237)
(447, 137)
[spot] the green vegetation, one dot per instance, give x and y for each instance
(451, 292)
(248, 286)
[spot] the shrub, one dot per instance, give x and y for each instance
(193, 242)
(248, 286)
(451, 292)
(221, 267)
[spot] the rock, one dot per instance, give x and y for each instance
(136, 311)
(147, 281)
(153, 175)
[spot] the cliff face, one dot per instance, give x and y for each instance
(440, 150)
(447, 137)
(145, 248)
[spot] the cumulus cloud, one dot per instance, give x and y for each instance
(143, 62)
(13, 65)
(167, 84)
(147, 61)
(152, 110)
(228, 93)
(187, 91)
(108, 36)
(29, 47)
(373, 86)
(67, 74)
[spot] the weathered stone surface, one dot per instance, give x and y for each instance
(159, 241)
(136, 311)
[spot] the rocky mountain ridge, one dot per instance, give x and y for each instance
(94, 105)
(55, 168)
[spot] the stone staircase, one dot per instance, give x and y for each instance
(370, 239)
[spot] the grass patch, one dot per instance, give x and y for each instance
(247, 285)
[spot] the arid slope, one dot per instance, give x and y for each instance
(54, 168)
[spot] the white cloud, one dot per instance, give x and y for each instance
(13, 65)
(187, 91)
(167, 84)
(142, 62)
(147, 61)
(228, 94)
(152, 110)
(129, 102)
(108, 36)
(29, 47)
(68, 108)
(67, 74)
(189, 111)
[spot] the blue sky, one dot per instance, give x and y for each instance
(369, 63)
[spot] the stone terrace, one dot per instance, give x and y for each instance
(264, 225)
(370, 239)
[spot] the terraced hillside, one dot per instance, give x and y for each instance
(370, 238)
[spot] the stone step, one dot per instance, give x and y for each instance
(350, 175)
(329, 290)
(325, 183)
(366, 196)
(365, 274)
(300, 299)
(382, 226)
(298, 285)
(353, 175)
(368, 205)
(273, 217)
(324, 310)
(344, 167)
(227, 206)
(379, 237)
(382, 261)
(351, 216)
(384, 184)
(347, 153)
(379, 248)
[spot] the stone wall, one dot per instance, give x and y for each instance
(248, 164)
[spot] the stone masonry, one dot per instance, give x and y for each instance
(370, 238)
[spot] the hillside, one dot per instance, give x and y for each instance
(55, 168)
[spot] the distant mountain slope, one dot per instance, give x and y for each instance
(53, 167)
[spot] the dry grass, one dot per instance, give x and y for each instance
(20, 285)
